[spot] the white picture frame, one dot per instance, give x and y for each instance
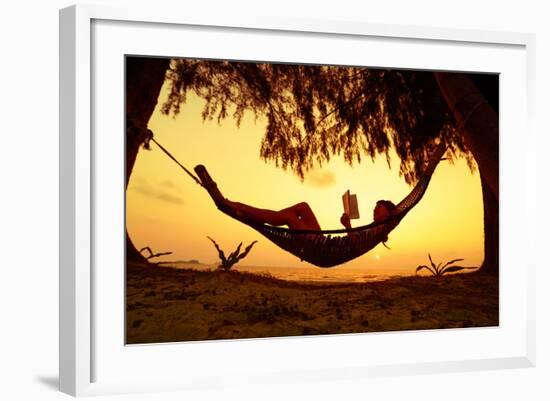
(89, 367)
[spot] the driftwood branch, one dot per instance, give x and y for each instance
(152, 254)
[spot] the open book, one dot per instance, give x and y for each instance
(350, 205)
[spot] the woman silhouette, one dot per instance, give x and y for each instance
(296, 217)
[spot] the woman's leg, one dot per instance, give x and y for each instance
(297, 217)
(275, 218)
(305, 216)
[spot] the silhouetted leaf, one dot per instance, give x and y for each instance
(425, 267)
(437, 269)
(247, 249)
(432, 262)
(451, 269)
(233, 257)
(451, 262)
(220, 252)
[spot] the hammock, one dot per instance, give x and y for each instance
(320, 247)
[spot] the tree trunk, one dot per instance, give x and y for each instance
(144, 79)
(490, 230)
(478, 122)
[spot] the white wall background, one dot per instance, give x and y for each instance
(29, 198)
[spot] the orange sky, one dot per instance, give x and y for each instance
(168, 211)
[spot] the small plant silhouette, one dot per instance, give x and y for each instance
(440, 270)
(234, 257)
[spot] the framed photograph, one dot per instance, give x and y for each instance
(266, 200)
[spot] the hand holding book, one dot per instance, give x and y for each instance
(350, 205)
(344, 219)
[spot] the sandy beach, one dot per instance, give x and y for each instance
(164, 304)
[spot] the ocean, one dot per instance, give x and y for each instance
(298, 273)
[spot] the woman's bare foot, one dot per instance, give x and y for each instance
(210, 185)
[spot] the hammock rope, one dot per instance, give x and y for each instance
(150, 137)
(320, 247)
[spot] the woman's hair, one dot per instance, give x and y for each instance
(390, 207)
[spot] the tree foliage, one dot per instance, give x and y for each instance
(316, 112)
